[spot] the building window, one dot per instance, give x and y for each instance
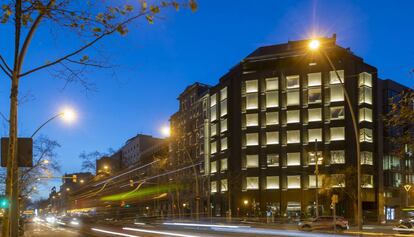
(223, 125)
(337, 133)
(213, 113)
(312, 181)
(293, 98)
(312, 158)
(272, 182)
(252, 183)
(213, 167)
(293, 136)
(314, 134)
(292, 82)
(365, 135)
(213, 131)
(337, 93)
(366, 158)
(272, 118)
(337, 180)
(223, 144)
(293, 159)
(223, 187)
(272, 84)
(252, 161)
(338, 157)
(223, 164)
(223, 107)
(213, 100)
(314, 115)
(367, 181)
(365, 95)
(252, 120)
(252, 101)
(223, 94)
(365, 114)
(293, 182)
(292, 116)
(272, 138)
(213, 186)
(334, 78)
(337, 113)
(272, 160)
(314, 95)
(314, 79)
(252, 139)
(272, 99)
(365, 79)
(252, 86)
(213, 147)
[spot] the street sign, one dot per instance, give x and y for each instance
(407, 187)
(24, 151)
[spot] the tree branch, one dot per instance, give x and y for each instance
(5, 64)
(5, 71)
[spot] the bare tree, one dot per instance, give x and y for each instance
(91, 21)
(89, 159)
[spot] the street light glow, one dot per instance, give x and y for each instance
(165, 131)
(68, 114)
(314, 44)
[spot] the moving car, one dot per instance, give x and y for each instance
(405, 226)
(324, 223)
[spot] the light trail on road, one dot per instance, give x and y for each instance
(203, 225)
(113, 233)
(159, 232)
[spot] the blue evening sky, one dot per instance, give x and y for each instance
(154, 63)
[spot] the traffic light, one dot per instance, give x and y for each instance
(74, 178)
(131, 183)
(4, 202)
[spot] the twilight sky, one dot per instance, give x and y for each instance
(154, 63)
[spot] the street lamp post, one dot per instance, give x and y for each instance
(316, 158)
(315, 45)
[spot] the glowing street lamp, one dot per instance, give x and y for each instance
(245, 202)
(314, 44)
(67, 115)
(165, 131)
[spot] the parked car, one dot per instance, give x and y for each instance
(324, 223)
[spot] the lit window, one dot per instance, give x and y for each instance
(272, 182)
(337, 133)
(223, 108)
(272, 99)
(365, 95)
(337, 180)
(367, 181)
(272, 160)
(293, 159)
(293, 136)
(223, 164)
(292, 116)
(252, 86)
(223, 93)
(365, 135)
(365, 114)
(213, 186)
(293, 98)
(213, 147)
(337, 93)
(252, 139)
(365, 79)
(312, 181)
(223, 144)
(338, 157)
(292, 81)
(314, 79)
(314, 115)
(334, 78)
(223, 125)
(337, 113)
(213, 100)
(223, 187)
(213, 167)
(252, 161)
(314, 95)
(272, 118)
(252, 101)
(252, 183)
(252, 120)
(293, 181)
(272, 138)
(366, 158)
(213, 129)
(272, 84)
(312, 158)
(315, 134)
(213, 113)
